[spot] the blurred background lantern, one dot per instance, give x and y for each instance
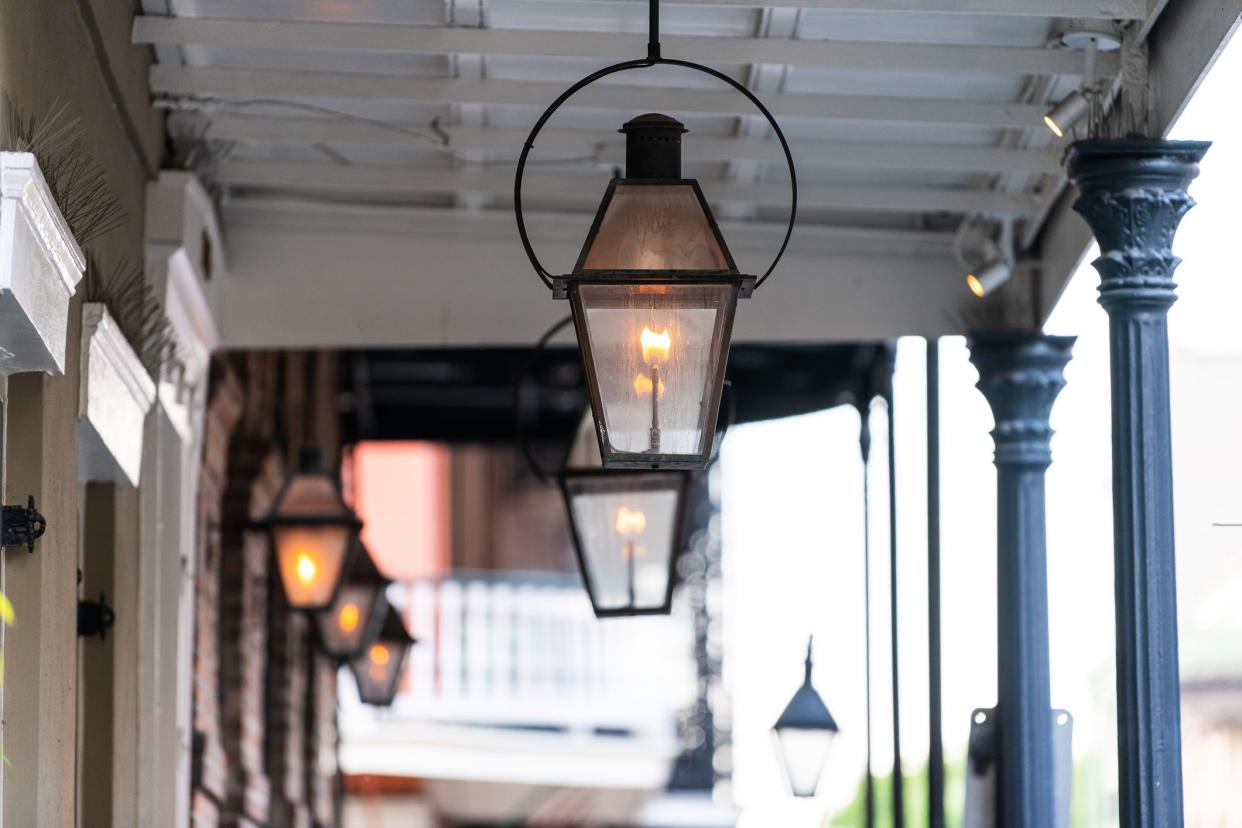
(626, 528)
(379, 668)
(352, 622)
(313, 533)
(803, 735)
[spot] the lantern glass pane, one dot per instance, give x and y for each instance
(351, 621)
(311, 558)
(311, 495)
(656, 355)
(654, 227)
(627, 534)
(803, 753)
(378, 671)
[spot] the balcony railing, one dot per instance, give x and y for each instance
(523, 651)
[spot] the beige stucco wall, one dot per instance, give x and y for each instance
(49, 56)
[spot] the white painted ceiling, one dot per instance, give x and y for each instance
(906, 116)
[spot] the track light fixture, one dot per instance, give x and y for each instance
(1066, 114)
(1078, 105)
(998, 264)
(989, 277)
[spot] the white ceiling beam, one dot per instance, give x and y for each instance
(582, 143)
(1086, 9)
(839, 54)
(267, 83)
(316, 178)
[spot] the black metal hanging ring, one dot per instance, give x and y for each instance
(644, 63)
(541, 474)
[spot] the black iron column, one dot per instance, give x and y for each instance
(864, 446)
(1133, 194)
(935, 735)
(1021, 375)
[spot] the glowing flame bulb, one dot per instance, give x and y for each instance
(347, 618)
(630, 522)
(655, 345)
(642, 385)
(379, 654)
(304, 567)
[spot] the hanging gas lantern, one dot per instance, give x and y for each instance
(803, 734)
(654, 290)
(313, 533)
(352, 622)
(379, 668)
(626, 528)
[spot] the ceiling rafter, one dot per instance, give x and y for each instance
(1083, 9)
(840, 54)
(580, 143)
(579, 187)
(267, 83)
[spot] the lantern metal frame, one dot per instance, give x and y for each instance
(635, 481)
(310, 462)
(568, 286)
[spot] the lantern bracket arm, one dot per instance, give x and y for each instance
(557, 283)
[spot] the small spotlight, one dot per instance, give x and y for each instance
(1062, 117)
(994, 274)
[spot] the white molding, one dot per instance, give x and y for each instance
(179, 216)
(115, 395)
(40, 267)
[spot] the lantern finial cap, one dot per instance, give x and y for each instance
(653, 146)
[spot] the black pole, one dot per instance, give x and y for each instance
(935, 747)
(653, 30)
(899, 807)
(864, 445)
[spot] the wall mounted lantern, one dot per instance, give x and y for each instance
(22, 525)
(626, 528)
(95, 618)
(654, 290)
(352, 622)
(313, 533)
(378, 670)
(803, 734)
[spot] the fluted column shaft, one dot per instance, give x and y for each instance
(1021, 375)
(1133, 194)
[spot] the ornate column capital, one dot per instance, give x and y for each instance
(1133, 194)
(1021, 374)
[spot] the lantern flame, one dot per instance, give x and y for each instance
(630, 522)
(379, 654)
(642, 385)
(347, 618)
(305, 568)
(655, 345)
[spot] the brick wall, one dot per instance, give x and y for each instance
(264, 700)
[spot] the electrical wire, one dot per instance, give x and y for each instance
(437, 137)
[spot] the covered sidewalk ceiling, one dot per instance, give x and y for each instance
(363, 152)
